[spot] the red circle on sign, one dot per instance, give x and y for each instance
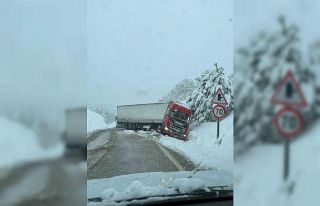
(280, 128)
(218, 106)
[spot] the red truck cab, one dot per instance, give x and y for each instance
(176, 121)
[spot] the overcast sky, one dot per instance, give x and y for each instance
(252, 16)
(42, 58)
(139, 50)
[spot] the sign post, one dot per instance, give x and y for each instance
(219, 111)
(218, 127)
(288, 121)
(286, 159)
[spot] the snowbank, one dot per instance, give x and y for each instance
(99, 142)
(96, 122)
(202, 147)
(258, 174)
(18, 144)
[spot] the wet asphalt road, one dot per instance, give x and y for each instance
(127, 153)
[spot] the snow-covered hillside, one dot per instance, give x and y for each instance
(96, 122)
(181, 92)
(203, 148)
(107, 111)
(19, 144)
(258, 173)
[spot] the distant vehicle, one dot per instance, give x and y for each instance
(168, 118)
(76, 129)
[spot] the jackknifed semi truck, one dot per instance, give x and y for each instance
(168, 118)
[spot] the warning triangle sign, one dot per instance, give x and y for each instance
(289, 92)
(218, 97)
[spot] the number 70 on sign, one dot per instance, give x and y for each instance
(218, 111)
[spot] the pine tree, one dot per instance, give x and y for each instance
(314, 60)
(207, 84)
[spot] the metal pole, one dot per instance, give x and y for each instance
(286, 159)
(218, 125)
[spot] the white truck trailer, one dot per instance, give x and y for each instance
(168, 118)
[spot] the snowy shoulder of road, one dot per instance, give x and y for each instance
(96, 122)
(99, 143)
(19, 144)
(135, 186)
(258, 174)
(203, 148)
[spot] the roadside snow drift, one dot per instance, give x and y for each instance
(203, 148)
(96, 122)
(258, 173)
(18, 144)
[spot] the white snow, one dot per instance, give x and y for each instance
(99, 142)
(203, 148)
(19, 144)
(131, 132)
(154, 184)
(185, 185)
(258, 173)
(135, 190)
(96, 122)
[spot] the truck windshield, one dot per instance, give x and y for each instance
(179, 115)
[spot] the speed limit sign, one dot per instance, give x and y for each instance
(288, 122)
(218, 111)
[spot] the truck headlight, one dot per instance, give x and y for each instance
(166, 128)
(185, 135)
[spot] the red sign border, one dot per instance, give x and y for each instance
(224, 109)
(289, 75)
(280, 130)
(215, 94)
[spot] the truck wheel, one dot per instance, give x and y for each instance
(159, 129)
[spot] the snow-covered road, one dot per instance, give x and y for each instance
(127, 152)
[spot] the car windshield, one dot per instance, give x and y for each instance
(138, 147)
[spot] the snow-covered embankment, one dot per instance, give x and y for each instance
(202, 147)
(96, 122)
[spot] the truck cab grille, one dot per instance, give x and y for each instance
(177, 127)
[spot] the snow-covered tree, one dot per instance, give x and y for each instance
(314, 58)
(207, 84)
(259, 68)
(181, 92)
(230, 90)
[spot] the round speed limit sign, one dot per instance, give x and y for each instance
(288, 122)
(218, 111)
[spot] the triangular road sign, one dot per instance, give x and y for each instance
(289, 92)
(218, 97)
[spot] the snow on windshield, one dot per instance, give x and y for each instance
(157, 184)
